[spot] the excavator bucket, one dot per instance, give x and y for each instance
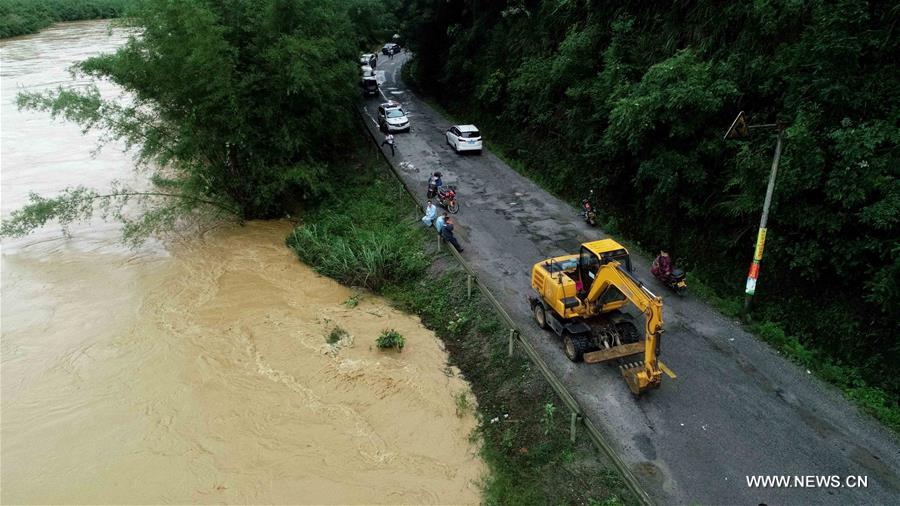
(637, 377)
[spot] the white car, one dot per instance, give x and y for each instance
(368, 59)
(392, 118)
(464, 138)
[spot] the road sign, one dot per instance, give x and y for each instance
(738, 128)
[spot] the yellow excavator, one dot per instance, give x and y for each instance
(580, 297)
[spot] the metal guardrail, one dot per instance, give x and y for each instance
(577, 413)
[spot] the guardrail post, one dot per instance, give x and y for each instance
(512, 341)
(469, 286)
(573, 424)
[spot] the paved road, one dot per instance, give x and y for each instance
(736, 408)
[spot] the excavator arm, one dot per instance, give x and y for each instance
(641, 376)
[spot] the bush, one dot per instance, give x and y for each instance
(356, 239)
(390, 338)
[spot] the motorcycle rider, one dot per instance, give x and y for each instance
(434, 184)
(662, 266)
(587, 209)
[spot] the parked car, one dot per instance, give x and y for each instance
(390, 48)
(368, 59)
(367, 71)
(464, 138)
(369, 86)
(392, 118)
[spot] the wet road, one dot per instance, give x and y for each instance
(736, 408)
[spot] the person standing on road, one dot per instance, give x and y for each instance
(389, 140)
(430, 214)
(447, 234)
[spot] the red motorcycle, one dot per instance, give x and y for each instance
(446, 198)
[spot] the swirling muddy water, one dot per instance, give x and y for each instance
(196, 370)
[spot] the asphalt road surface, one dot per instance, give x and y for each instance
(736, 409)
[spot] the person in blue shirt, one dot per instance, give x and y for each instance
(439, 223)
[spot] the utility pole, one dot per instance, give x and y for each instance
(740, 129)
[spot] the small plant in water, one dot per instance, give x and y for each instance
(390, 338)
(336, 334)
(352, 301)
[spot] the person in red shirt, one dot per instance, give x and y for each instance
(662, 266)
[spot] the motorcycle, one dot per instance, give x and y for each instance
(588, 213)
(587, 210)
(446, 198)
(675, 280)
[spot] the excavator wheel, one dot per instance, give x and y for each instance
(575, 346)
(628, 332)
(540, 316)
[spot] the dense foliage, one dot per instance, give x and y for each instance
(234, 106)
(633, 98)
(20, 17)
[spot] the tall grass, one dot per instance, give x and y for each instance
(361, 243)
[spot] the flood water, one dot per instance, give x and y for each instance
(197, 370)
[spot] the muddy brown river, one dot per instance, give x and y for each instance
(197, 370)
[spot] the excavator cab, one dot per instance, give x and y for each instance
(589, 262)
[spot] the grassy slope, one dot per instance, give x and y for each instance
(874, 400)
(363, 238)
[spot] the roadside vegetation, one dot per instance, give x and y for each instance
(524, 434)
(21, 17)
(632, 100)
